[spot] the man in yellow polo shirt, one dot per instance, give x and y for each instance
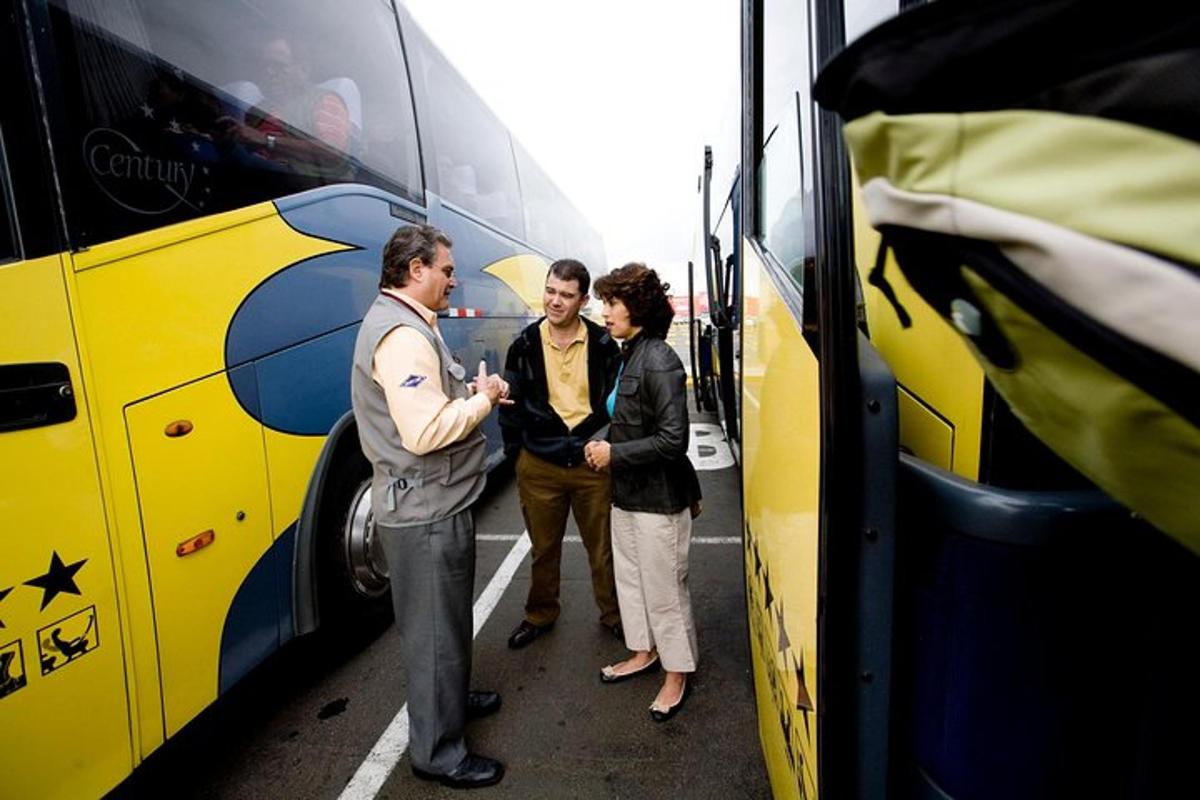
(559, 370)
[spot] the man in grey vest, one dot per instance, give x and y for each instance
(418, 423)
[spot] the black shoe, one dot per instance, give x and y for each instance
(525, 633)
(665, 714)
(617, 631)
(474, 771)
(480, 704)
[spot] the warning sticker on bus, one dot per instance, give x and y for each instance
(12, 668)
(62, 642)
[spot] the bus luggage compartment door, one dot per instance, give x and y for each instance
(211, 478)
(1045, 644)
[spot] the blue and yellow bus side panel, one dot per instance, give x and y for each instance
(155, 309)
(781, 484)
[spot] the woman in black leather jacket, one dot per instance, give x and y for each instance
(654, 486)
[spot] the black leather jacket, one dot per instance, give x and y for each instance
(649, 431)
(531, 422)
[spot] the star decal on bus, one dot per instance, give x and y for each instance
(803, 698)
(785, 725)
(57, 579)
(784, 642)
(804, 703)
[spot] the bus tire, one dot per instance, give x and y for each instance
(354, 592)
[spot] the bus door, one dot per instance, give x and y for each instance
(64, 713)
(726, 278)
(204, 535)
(61, 653)
(818, 434)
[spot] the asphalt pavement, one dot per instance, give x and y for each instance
(305, 722)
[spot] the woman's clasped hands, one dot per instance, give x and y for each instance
(598, 455)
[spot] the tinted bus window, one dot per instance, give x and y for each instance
(593, 253)
(784, 184)
(782, 198)
(544, 222)
(471, 149)
(785, 57)
(581, 241)
(177, 109)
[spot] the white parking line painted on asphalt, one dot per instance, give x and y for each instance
(387, 752)
(708, 448)
(490, 596)
(508, 537)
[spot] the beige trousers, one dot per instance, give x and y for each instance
(650, 559)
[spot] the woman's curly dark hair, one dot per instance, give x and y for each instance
(645, 296)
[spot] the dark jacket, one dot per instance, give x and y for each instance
(649, 432)
(531, 422)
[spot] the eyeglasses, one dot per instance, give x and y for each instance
(447, 270)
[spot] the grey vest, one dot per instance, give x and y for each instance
(408, 489)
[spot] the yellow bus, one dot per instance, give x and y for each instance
(939, 607)
(194, 198)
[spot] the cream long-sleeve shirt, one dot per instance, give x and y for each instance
(407, 368)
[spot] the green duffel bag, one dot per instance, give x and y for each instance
(1035, 168)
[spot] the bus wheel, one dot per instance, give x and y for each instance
(354, 588)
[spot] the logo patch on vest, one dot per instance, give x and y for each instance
(412, 381)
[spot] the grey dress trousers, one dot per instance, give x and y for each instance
(432, 571)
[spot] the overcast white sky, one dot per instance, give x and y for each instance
(614, 98)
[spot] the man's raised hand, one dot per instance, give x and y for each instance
(493, 386)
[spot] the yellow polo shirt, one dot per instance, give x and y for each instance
(567, 375)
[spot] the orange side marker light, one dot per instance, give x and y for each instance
(180, 427)
(200, 540)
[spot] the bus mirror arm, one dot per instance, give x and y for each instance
(692, 331)
(730, 296)
(716, 305)
(717, 296)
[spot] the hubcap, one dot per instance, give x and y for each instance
(365, 561)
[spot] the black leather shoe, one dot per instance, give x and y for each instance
(474, 771)
(525, 633)
(664, 714)
(480, 704)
